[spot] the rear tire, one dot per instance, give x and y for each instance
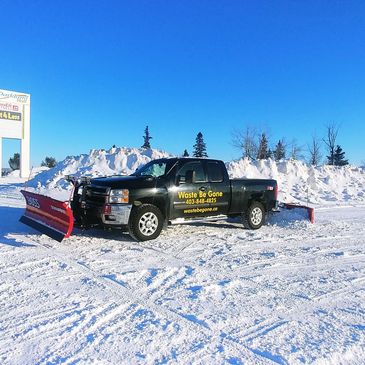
(254, 217)
(145, 222)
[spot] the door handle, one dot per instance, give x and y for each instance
(202, 188)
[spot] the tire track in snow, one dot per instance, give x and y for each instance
(178, 261)
(190, 323)
(169, 256)
(262, 266)
(304, 308)
(124, 294)
(88, 333)
(302, 263)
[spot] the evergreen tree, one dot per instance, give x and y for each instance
(186, 153)
(14, 162)
(262, 153)
(200, 149)
(146, 139)
(279, 152)
(270, 153)
(339, 157)
(49, 162)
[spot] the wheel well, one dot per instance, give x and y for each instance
(259, 199)
(157, 204)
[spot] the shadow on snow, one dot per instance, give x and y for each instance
(9, 224)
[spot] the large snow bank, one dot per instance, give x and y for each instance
(301, 183)
(116, 161)
(297, 182)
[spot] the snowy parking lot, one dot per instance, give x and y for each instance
(182, 182)
(205, 293)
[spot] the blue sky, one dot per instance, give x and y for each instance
(100, 71)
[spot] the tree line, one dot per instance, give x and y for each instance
(254, 146)
(199, 148)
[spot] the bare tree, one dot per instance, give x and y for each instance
(295, 150)
(330, 142)
(314, 150)
(246, 142)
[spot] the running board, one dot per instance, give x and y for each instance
(198, 220)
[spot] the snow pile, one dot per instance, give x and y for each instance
(116, 161)
(297, 181)
(301, 183)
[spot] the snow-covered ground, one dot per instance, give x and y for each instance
(204, 293)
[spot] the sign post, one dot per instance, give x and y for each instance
(15, 123)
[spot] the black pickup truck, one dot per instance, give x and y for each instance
(166, 189)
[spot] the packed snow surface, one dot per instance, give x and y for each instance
(202, 293)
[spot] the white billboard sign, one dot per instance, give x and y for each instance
(15, 123)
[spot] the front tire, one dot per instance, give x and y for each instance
(254, 218)
(145, 222)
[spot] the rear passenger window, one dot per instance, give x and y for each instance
(215, 173)
(195, 166)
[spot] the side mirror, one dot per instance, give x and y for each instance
(190, 177)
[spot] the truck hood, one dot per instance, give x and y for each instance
(125, 182)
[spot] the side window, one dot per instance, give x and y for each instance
(215, 173)
(196, 166)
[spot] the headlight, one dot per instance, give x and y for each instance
(119, 196)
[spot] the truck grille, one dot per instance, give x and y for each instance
(96, 195)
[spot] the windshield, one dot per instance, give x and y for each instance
(154, 168)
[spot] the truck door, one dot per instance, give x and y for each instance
(186, 196)
(219, 192)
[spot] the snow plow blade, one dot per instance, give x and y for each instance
(52, 217)
(295, 206)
